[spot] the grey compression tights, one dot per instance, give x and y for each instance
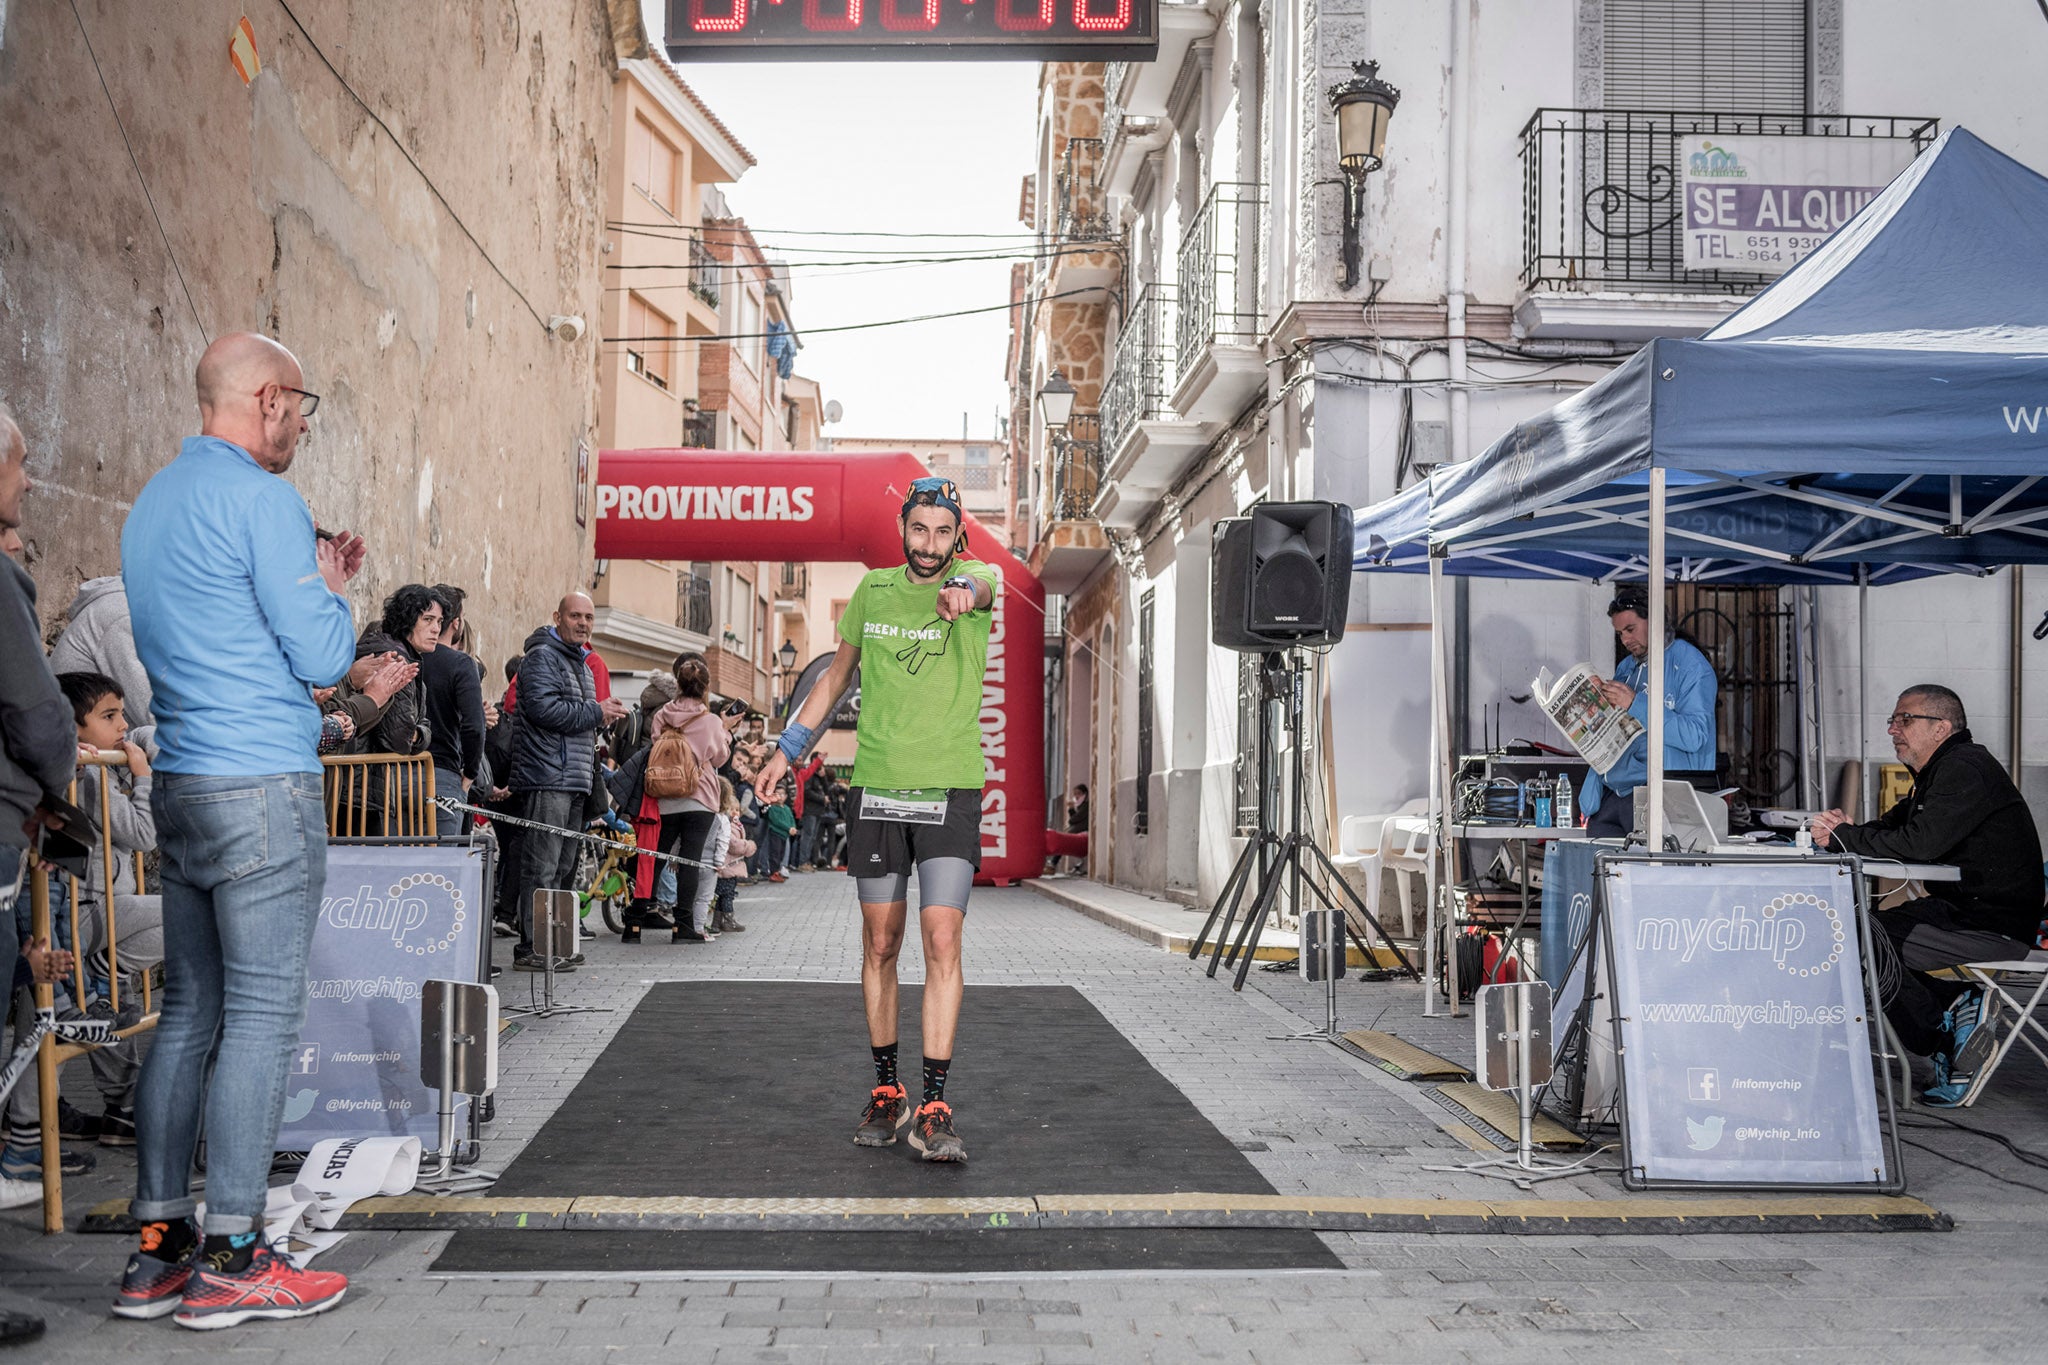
(940, 881)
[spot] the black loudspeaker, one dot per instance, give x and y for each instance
(1280, 576)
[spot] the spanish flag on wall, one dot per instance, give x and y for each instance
(242, 51)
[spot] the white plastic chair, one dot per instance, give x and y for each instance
(1373, 845)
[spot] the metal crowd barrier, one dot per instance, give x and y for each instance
(52, 1052)
(359, 786)
(402, 788)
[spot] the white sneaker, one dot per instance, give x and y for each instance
(19, 1194)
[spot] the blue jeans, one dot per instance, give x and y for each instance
(244, 866)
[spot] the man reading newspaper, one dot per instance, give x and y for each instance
(1608, 796)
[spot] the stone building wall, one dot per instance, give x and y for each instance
(412, 276)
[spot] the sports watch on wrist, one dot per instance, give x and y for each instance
(959, 580)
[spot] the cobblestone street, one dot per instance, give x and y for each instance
(1312, 1118)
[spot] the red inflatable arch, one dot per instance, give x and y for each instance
(698, 504)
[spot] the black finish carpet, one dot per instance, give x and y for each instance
(752, 1089)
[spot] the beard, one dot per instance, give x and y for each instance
(924, 567)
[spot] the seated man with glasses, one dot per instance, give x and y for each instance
(1963, 810)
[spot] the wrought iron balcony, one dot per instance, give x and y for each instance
(1220, 263)
(1082, 208)
(1600, 192)
(1143, 375)
(1076, 469)
(794, 582)
(700, 429)
(703, 272)
(693, 603)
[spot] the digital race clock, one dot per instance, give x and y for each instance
(901, 30)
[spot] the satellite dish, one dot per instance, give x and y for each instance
(833, 412)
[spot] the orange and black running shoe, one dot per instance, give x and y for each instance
(932, 1133)
(888, 1110)
(152, 1286)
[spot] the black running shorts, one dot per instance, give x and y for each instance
(891, 848)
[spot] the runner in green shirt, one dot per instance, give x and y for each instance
(919, 636)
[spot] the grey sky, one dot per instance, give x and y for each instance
(899, 147)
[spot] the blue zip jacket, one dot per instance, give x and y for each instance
(233, 622)
(1689, 731)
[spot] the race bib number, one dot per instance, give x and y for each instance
(924, 807)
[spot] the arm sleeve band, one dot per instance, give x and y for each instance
(794, 738)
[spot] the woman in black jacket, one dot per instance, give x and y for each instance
(410, 628)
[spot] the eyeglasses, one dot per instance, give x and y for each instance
(309, 403)
(1898, 720)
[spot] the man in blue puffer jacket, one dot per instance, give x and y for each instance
(1689, 727)
(554, 754)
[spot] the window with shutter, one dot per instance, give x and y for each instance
(651, 162)
(1734, 56)
(648, 351)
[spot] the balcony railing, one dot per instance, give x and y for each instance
(693, 603)
(1076, 469)
(1600, 191)
(1219, 273)
(1143, 375)
(703, 272)
(700, 429)
(1083, 209)
(794, 582)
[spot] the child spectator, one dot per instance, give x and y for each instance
(777, 821)
(738, 851)
(717, 852)
(96, 708)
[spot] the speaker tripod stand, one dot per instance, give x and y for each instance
(1292, 859)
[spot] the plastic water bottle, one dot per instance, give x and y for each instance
(1541, 791)
(1561, 803)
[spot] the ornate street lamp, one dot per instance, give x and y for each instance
(1056, 401)
(1364, 105)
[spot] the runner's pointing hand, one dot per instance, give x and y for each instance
(954, 603)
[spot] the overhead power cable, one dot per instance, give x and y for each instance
(906, 253)
(846, 327)
(399, 144)
(134, 161)
(821, 232)
(736, 266)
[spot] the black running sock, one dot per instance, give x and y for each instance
(935, 1078)
(885, 1064)
(169, 1239)
(228, 1255)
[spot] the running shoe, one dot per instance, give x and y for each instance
(74, 1125)
(19, 1194)
(117, 1127)
(268, 1287)
(21, 1162)
(932, 1133)
(888, 1110)
(152, 1286)
(1972, 1034)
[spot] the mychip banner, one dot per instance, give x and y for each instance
(1744, 1038)
(1761, 204)
(392, 918)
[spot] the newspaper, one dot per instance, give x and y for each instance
(1597, 728)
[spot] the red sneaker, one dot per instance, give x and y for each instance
(152, 1286)
(270, 1287)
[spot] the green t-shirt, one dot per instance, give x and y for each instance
(920, 681)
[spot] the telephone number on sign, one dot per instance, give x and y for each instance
(1776, 242)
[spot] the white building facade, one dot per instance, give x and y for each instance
(1520, 239)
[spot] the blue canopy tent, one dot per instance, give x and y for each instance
(1879, 413)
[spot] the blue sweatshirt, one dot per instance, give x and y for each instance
(232, 620)
(1689, 730)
